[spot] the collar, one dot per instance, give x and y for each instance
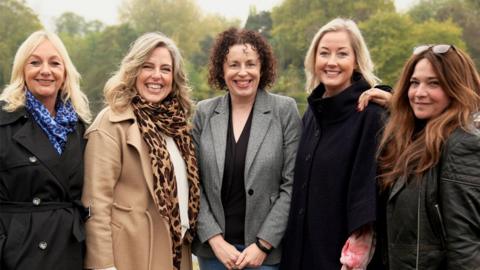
(262, 103)
(122, 115)
(10, 117)
(338, 107)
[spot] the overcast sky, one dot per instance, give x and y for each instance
(106, 10)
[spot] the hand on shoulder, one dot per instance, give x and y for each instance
(375, 95)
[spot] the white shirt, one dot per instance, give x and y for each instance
(180, 171)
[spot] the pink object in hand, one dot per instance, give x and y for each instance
(358, 251)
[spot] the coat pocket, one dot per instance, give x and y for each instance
(120, 221)
(118, 213)
(122, 207)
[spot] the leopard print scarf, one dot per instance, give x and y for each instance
(168, 118)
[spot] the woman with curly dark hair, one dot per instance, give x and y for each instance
(246, 145)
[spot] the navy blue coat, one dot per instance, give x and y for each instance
(334, 190)
(41, 223)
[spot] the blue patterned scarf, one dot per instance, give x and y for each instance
(57, 128)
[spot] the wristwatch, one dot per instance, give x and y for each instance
(262, 247)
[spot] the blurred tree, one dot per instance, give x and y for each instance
(198, 80)
(176, 19)
(99, 56)
(475, 4)
(391, 38)
(290, 82)
(261, 22)
(182, 20)
(464, 13)
(17, 22)
(70, 24)
(295, 22)
(200, 58)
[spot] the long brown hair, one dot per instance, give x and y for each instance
(410, 147)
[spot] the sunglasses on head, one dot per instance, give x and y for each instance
(436, 49)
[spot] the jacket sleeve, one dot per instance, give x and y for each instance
(207, 226)
(102, 169)
(362, 192)
(275, 224)
(459, 195)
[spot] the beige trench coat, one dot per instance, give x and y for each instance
(125, 229)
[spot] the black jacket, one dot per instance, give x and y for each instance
(334, 190)
(40, 210)
(449, 225)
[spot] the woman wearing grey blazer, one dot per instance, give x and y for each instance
(246, 145)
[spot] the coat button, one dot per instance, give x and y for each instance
(317, 133)
(42, 245)
(301, 211)
(308, 157)
(304, 185)
(32, 159)
(250, 192)
(36, 201)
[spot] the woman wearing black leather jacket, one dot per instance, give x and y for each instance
(430, 163)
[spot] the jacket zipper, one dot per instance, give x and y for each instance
(444, 233)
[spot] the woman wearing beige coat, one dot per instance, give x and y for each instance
(141, 176)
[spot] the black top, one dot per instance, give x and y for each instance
(233, 184)
(334, 191)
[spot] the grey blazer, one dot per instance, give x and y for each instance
(269, 164)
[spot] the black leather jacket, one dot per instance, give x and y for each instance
(435, 223)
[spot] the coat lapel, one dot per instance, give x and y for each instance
(219, 128)
(397, 186)
(32, 137)
(260, 124)
(134, 138)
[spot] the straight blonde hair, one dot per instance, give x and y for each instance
(362, 56)
(14, 93)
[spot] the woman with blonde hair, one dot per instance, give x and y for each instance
(42, 119)
(141, 176)
(430, 163)
(334, 192)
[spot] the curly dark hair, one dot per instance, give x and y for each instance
(234, 36)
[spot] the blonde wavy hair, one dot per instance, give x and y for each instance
(363, 61)
(410, 147)
(14, 93)
(120, 88)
